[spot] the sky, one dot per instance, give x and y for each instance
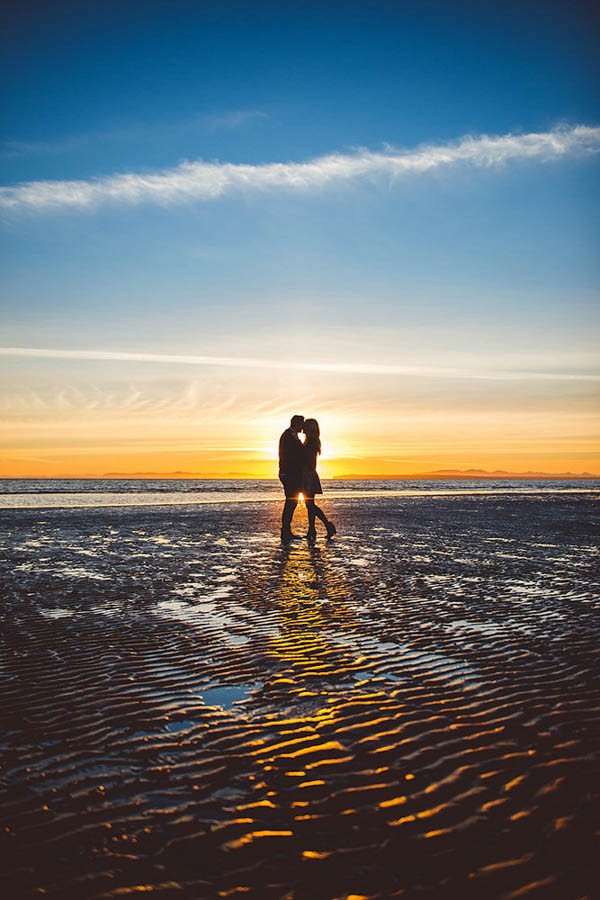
(379, 214)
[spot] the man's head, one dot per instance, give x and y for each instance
(297, 423)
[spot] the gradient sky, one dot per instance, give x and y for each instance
(215, 215)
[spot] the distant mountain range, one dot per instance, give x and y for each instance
(200, 475)
(421, 476)
(471, 473)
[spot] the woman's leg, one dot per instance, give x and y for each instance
(314, 511)
(318, 512)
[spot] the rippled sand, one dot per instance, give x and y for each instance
(410, 710)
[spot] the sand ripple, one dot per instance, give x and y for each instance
(189, 710)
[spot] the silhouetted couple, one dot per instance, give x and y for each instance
(298, 474)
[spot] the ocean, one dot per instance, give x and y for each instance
(57, 493)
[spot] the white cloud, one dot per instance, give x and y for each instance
(349, 368)
(207, 180)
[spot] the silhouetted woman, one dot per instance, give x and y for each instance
(312, 482)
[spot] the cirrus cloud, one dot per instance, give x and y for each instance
(343, 367)
(202, 180)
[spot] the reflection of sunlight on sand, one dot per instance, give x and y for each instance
(57, 613)
(68, 571)
(310, 647)
(311, 660)
(80, 572)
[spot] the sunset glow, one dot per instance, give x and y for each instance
(81, 417)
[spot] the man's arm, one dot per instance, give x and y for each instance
(291, 452)
(286, 451)
(298, 455)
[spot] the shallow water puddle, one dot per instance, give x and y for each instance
(219, 592)
(453, 670)
(229, 618)
(76, 572)
(344, 640)
(226, 696)
(193, 588)
(112, 609)
(483, 627)
(503, 629)
(187, 590)
(385, 646)
(440, 666)
(237, 640)
(181, 725)
(57, 613)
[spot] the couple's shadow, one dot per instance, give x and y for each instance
(307, 588)
(301, 568)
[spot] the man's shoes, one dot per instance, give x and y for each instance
(311, 535)
(288, 536)
(331, 529)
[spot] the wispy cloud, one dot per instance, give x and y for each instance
(207, 180)
(205, 123)
(228, 121)
(350, 368)
(23, 149)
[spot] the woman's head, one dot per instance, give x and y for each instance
(312, 432)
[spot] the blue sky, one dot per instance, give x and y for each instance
(478, 260)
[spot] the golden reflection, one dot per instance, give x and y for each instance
(396, 801)
(402, 821)
(317, 661)
(302, 644)
(310, 662)
(254, 836)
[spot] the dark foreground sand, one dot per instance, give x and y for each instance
(192, 711)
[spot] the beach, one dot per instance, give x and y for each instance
(190, 709)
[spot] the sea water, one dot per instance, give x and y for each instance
(39, 493)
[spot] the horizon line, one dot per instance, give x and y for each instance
(432, 475)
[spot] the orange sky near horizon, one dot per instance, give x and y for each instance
(193, 466)
(61, 450)
(94, 417)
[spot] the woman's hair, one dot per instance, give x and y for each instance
(312, 432)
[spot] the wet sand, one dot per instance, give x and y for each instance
(191, 710)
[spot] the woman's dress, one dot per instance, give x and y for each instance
(311, 481)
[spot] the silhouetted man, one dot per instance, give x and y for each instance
(291, 466)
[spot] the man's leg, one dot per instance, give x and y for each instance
(286, 517)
